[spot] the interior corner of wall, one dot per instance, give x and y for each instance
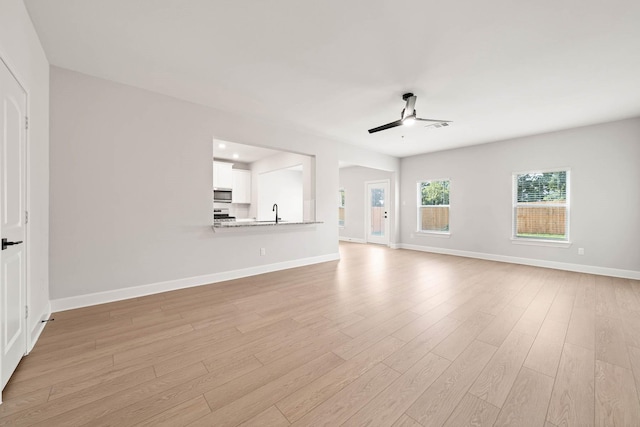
(38, 326)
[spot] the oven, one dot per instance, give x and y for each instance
(222, 215)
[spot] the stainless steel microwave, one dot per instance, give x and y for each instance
(222, 195)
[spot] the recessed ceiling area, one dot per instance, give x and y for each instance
(497, 69)
(234, 152)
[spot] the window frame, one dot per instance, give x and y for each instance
(541, 241)
(342, 201)
(419, 206)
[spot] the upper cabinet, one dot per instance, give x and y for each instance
(241, 186)
(222, 175)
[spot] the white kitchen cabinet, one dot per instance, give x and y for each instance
(241, 186)
(222, 175)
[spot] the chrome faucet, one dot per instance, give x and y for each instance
(275, 208)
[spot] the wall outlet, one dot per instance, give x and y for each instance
(580, 251)
(263, 251)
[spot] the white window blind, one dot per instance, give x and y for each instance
(541, 205)
(433, 206)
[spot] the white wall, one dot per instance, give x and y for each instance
(20, 49)
(284, 188)
(352, 179)
(282, 161)
(605, 200)
(355, 156)
(131, 191)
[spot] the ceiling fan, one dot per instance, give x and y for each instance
(408, 116)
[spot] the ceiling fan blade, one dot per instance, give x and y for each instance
(410, 108)
(433, 120)
(387, 126)
(437, 125)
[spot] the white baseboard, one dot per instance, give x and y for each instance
(356, 240)
(351, 239)
(579, 268)
(37, 329)
(79, 301)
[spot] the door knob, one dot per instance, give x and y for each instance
(6, 244)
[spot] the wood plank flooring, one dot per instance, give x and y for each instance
(380, 338)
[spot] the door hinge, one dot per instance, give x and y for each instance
(26, 311)
(26, 217)
(26, 122)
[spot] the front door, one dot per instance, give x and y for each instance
(377, 212)
(13, 335)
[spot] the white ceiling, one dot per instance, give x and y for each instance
(245, 153)
(497, 68)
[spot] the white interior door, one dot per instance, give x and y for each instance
(377, 212)
(13, 335)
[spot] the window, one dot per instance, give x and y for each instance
(541, 205)
(433, 206)
(341, 207)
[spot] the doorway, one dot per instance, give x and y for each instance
(13, 257)
(377, 212)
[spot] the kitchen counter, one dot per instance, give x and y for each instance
(244, 224)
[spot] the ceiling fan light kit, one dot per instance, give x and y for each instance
(408, 116)
(409, 121)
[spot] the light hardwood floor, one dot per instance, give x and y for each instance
(383, 337)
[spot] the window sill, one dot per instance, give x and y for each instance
(440, 234)
(539, 242)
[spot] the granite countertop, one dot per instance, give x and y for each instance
(238, 224)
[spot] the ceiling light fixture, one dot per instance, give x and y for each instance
(236, 156)
(409, 121)
(222, 146)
